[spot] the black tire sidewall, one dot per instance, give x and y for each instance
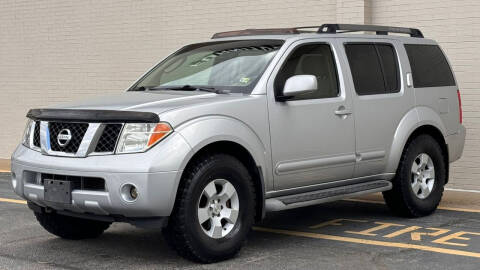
(230, 169)
(424, 144)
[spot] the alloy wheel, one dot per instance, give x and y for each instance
(218, 208)
(423, 176)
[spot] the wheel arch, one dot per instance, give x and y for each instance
(421, 120)
(243, 155)
(227, 135)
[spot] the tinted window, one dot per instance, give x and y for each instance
(310, 59)
(374, 68)
(429, 66)
(365, 68)
(388, 60)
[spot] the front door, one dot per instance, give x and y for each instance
(312, 136)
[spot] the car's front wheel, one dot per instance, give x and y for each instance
(214, 209)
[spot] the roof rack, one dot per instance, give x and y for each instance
(378, 29)
(325, 28)
(249, 32)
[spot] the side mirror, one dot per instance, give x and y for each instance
(298, 85)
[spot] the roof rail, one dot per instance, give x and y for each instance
(380, 30)
(325, 28)
(266, 31)
(248, 32)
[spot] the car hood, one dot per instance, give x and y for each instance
(156, 102)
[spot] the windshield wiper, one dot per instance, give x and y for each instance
(141, 88)
(188, 87)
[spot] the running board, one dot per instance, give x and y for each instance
(325, 195)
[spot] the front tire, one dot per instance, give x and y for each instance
(70, 227)
(419, 183)
(214, 209)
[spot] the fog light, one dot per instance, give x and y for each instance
(129, 192)
(133, 192)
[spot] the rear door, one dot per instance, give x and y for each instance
(380, 98)
(312, 136)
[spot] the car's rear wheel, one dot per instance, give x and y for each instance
(420, 179)
(214, 209)
(71, 227)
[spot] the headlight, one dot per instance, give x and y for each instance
(26, 140)
(140, 137)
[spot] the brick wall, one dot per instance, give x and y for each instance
(57, 51)
(350, 11)
(456, 26)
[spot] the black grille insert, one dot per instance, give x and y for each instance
(77, 182)
(77, 131)
(36, 134)
(108, 140)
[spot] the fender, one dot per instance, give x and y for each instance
(203, 131)
(413, 119)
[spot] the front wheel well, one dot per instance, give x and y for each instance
(438, 136)
(243, 155)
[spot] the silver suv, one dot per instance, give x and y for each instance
(252, 121)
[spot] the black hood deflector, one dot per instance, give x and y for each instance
(92, 116)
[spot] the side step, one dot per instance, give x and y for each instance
(325, 195)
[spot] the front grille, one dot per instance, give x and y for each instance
(105, 144)
(77, 182)
(108, 140)
(77, 132)
(36, 134)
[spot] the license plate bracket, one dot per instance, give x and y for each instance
(57, 191)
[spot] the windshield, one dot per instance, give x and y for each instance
(235, 66)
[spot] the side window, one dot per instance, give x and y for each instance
(374, 68)
(391, 73)
(310, 59)
(429, 66)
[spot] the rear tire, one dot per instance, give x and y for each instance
(70, 227)
(419, 183)
(220, 185)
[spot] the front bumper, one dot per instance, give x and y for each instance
(156, 184)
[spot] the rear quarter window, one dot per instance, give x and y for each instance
(429, 66)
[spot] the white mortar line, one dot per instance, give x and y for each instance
(463, 190)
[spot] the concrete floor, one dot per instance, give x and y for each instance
(359, 233)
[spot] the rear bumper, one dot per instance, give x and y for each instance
(456, 143)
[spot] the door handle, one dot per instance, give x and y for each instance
(342, 111)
